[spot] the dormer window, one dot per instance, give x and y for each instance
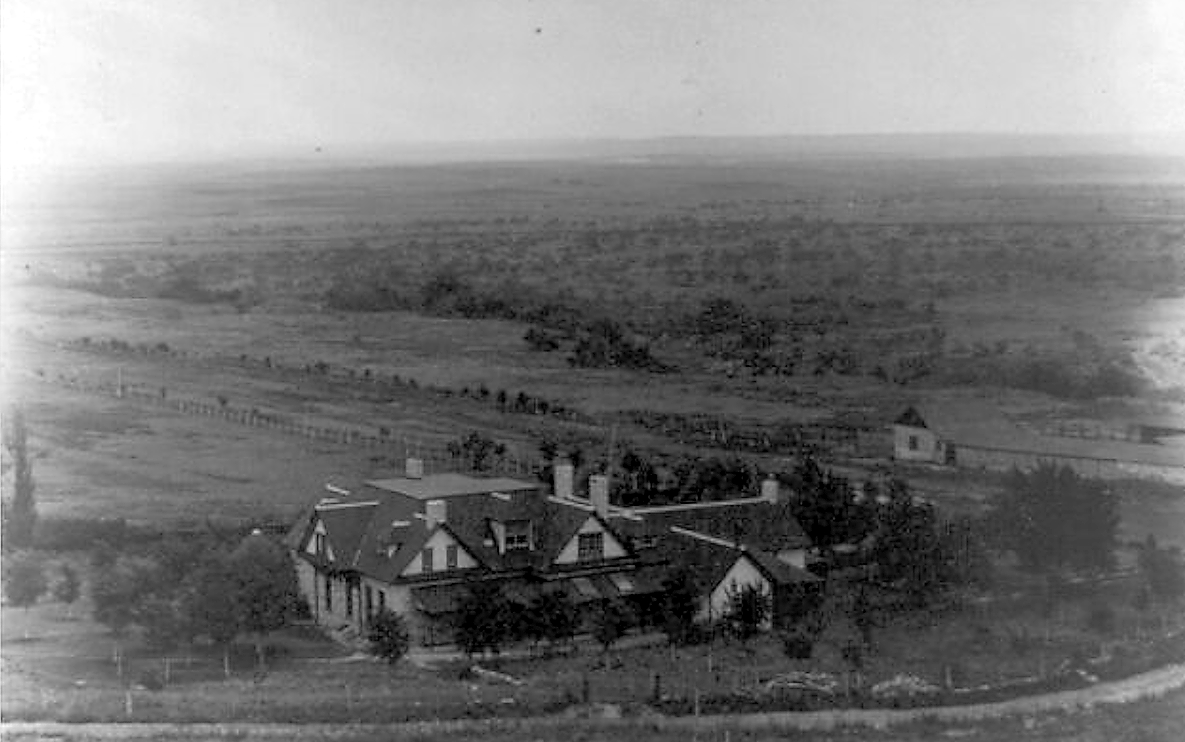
(518, 535)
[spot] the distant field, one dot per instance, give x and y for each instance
(100, 457)
(881, 260)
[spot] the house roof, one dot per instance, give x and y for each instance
(380, 532)
(434, 486)
(345, 525)
(970, 422)
(768, 526)
(778, 571)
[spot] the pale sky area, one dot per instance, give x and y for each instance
(128, 80)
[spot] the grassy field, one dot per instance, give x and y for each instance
(59, 665)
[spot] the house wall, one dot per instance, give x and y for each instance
(312, 585)
(571, 551)
(306, 580)
(927, 444)
(1001, 460)
(743, 572)
(438, 542)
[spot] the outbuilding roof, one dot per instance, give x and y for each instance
(975, 423)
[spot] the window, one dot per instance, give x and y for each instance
(368, 603)
(426, 559)
(913, 443)
(450, 556)
(518, 534)
(319, 543)
(590, 546)
(349, 600)
(328, 595)
(382, 601)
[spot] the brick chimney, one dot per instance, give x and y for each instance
(435, 513)
(598, 493)
(563, 475)
(769, 490)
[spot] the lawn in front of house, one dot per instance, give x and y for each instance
(59, 665)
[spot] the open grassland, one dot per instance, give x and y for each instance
(101, 457)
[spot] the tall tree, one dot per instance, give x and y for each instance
(116, 591)
(19, 515)
(68, 587)
(909, 550)
(680, 603)
(554, 617)
(1053, 520)
(611, 621)
(481, 453)
(1161, 570)
(24, 579)
(482, 621)
(211, 604)
(825, 505)
(266, 589)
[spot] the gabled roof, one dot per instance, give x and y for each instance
(345, 525)
(777, 571)
(381, 537)
(970, 422)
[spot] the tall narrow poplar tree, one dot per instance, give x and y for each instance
(20, 512)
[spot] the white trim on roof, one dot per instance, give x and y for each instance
(340, 505)
(657, 509)
(706, 538)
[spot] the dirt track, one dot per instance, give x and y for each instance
(1149, 685)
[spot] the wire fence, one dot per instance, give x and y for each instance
(399, 444)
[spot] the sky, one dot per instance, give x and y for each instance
(95, 81)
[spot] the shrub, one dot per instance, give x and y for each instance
(24, 579)
(151, 679)
(1101, 619)
(79, 534)
(798, 645)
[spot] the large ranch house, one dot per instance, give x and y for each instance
(415, 544)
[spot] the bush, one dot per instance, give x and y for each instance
(798, 645)
(151, 679)
(388, 636)
(79, 534)
(1101, 620)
